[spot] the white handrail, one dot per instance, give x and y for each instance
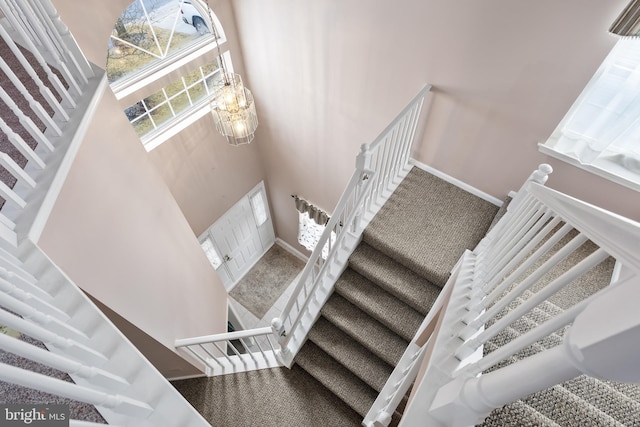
(249, 333)
(380, 166)
(456, 392)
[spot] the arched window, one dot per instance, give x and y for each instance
(151, 39)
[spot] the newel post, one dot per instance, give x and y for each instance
(363, 165)
(279, 332)
(539, 176)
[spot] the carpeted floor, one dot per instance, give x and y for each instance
(267, 398)
(259, 289)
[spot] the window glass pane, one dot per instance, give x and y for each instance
(175, 87)
(212, 254)
(180, 103)
(149, 31)
(197, 92)
(259, 208)
(161, 114)
(142, 125)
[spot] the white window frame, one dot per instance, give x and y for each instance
(604, 162)
(171, 62)
(174, 60)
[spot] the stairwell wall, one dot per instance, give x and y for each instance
(117, 230)
(329, 76)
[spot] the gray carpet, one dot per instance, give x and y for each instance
(268, 398)
(393, 279)
(428, 223)
(379, 302)
(259, 289)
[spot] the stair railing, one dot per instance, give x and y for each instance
(380, 167)
(545, 243)
(38, 300)
(234, 352)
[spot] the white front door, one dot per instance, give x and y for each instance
(237, 238)
(240, 237)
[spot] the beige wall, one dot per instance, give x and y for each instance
(116, 229)
(205, 175)
(328, 76)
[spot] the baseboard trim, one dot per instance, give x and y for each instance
(187, 377)
(471, 189)
(293, 251)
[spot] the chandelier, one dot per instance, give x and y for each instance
(232, 106)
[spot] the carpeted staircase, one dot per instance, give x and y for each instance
(583, 401)
(392, 280)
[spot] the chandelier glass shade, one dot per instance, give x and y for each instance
(233, 109)
(232, 106)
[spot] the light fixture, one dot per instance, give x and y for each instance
(232, 106)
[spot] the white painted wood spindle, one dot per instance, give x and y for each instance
(44, 90)
(29, 312)
(97, 376)
(30, 45)
(26, 121)
(35, 106)
(19, 143)
(563, 280)
(117, 403)
(67, 345)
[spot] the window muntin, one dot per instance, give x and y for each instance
(167, 104)
(149, 31)
(601, 131)
(151, 39)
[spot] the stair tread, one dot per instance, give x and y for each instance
(381, 305)
(352, 355)
(365, 329)
(393, 277)
(565, 408)
(517, 413)
(428, 223)
(335, 377)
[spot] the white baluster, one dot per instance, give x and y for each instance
(118, 403)
(26, 121)
(97, 376)
(30, 45)
(21, 145)
(16, 171)
(68, 345)
(44, 90)
(495, 296)
(32, 300)
(467, 401)
(68, 41)
(567, 277)
(36, 107)
(46, 320)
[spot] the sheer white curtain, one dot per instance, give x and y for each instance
(311, 224)
(602, 127)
